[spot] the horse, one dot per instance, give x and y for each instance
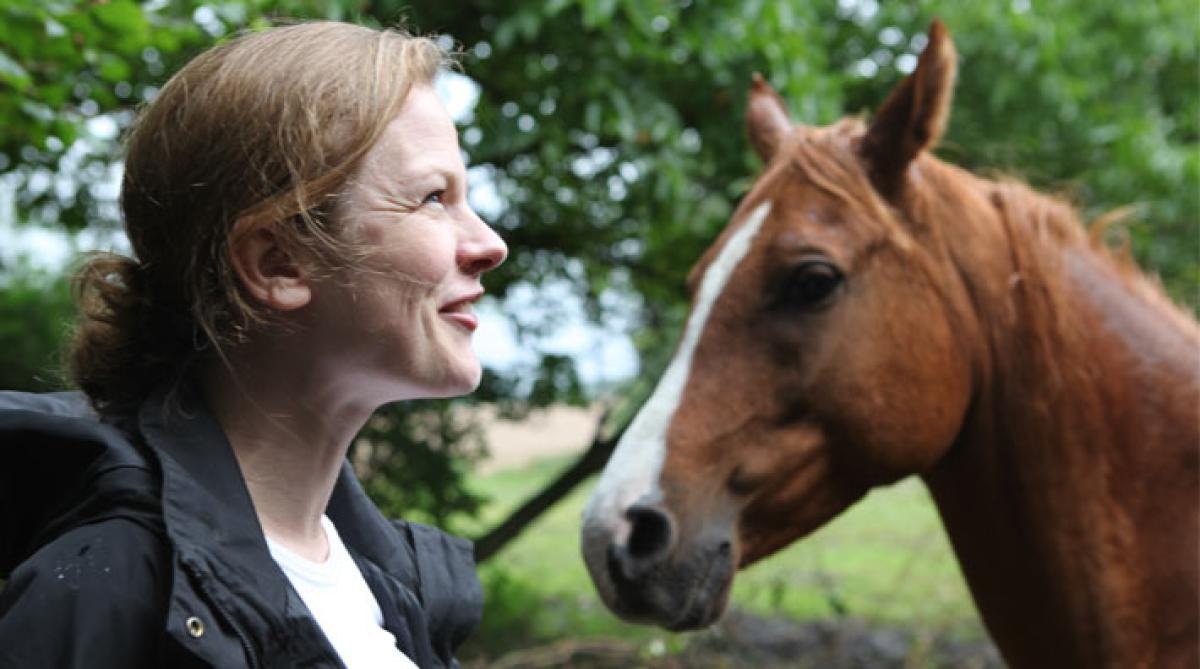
(871, 312)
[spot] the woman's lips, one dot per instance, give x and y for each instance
(459, 311)
(465, 319)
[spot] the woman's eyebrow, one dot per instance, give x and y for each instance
(425, 174)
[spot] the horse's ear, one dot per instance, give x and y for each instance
(914, 116)
(767, 120)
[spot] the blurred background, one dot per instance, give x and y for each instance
(606, 145)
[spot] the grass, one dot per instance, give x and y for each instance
(884, 561)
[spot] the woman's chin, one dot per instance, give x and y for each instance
(459, 380)
(435, 377)
(465, 388)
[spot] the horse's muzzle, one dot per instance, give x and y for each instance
(653, 577)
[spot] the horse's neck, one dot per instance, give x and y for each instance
(1071, 494)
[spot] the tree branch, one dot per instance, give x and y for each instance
(592, 461)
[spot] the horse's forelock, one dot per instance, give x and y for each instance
(828, 158)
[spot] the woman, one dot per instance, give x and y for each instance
(296, 203)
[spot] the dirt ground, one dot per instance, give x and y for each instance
(558, 430)
(745, 641)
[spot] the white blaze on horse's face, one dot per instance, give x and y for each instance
(631, 477)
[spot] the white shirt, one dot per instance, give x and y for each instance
(337, 595)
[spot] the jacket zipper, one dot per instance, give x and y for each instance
(202, 579)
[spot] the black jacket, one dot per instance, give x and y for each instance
(140, 548)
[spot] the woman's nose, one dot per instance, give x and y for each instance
(481, 250)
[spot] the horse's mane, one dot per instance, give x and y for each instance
(1051, 222)
(1041, 230)
(1039, 226)
(1035, 334)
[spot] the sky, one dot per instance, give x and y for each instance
(602, 354)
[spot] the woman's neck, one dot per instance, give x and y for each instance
(290, 426)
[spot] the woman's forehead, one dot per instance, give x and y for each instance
(421, 138)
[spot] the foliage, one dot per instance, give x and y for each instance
(413, 459)
(611, 131)
(35, 312)
(63, 64)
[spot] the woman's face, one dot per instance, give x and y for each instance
(404, 324)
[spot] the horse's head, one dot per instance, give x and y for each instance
(819, 359)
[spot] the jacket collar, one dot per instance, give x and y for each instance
(206, 507)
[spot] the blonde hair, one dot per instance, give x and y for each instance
(264, 130)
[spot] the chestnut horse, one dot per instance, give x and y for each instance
(872, 312)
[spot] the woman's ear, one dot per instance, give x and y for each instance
(268, 272)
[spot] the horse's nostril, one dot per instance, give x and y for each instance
(650, 537)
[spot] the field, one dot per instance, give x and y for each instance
(883, 565)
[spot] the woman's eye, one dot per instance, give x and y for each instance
(812, 285)
(434, 198)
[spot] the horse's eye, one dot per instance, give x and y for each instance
(811, 285)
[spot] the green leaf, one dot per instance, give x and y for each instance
(126, 20)
(113, 69)
(597, 12)
(120, 15)
(13, 74)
